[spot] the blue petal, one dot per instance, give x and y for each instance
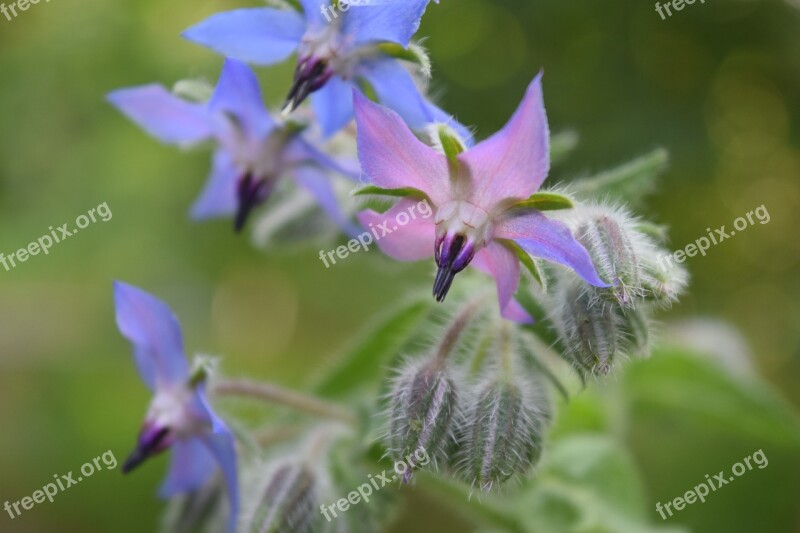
(154, 331)
(191, 466)
(238, 93)
(386, 21)
(218, 198)
(222, 447)
(333, 105)
(396, 89)
(301, 151)
(318, 183)
(163, 115)
(258, 35)
(313, 11)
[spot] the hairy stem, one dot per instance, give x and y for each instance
(456, 328)
(290, 398)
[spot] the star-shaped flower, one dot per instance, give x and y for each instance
(179, 416)
(482, 217)
(253, 151)
(337, 48)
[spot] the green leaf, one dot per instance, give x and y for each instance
(692, 386)
(546, 201)
(402, 192)
(587, 483)
(561, 145)
(630, 182)
(367, 360)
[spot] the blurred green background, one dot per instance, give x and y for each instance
(717, 84)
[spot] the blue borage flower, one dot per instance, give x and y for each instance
(253, 150)
(179, 416)
(333, 55)
(479, 196)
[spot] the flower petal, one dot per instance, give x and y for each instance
(163, 115)
(333, 105)
(513, 162)
(218, 198)
(238, 93)
(191, 466)
(396, 90)
(549, 239)
(411, 241)
(318, 183)
(393, 157)
(154, 331)
(222, 447)
(374, 21)
(301, 151)
(501, 263)
(261, 35)
(313, 10)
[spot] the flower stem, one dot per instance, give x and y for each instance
(283, 396)
(456, 328)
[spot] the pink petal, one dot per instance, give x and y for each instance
(501, 263)
(513, 162)
(393, 157)
(411, 241)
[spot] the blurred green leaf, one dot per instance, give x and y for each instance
(684, 383)
(630, 182)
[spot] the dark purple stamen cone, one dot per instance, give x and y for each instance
(452, 256)
(150, 443)
(251, 192)
(310, 75)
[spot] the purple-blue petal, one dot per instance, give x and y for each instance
(238, 93)
(549, 239)
(333, 105)
(222, 446)
(313, 10)
(301, 151)
(318, 183)
(387, 20)
(163, 115)
(149, 324)
(218, 198)
(262, 35)
(191, 467)
(396, 89)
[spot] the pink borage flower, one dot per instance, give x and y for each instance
(481, 197)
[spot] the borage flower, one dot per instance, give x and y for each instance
(253, 151)
(179, 416)
(482, 216)
(338, 46)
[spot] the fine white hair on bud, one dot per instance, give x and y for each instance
(501, 433)
(422, 406)
(288, 499)
(616, 247)
(590, 329)
(663, 280)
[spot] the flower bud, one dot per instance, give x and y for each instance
(663, 280)
(615, 249)
(502, 432)
(422, 407)
(588, 327)
(289, 500)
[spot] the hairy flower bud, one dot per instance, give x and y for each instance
(589, 328)
(662, 279)
(502, 432)
(289, 500)
(421, 412)
(615, 248)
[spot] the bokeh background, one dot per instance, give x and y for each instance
(717, 84)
